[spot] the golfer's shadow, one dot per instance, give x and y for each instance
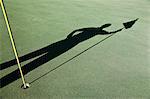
(51, 51)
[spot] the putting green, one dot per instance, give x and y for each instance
(117, 68)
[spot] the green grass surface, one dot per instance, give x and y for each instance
(117, 68)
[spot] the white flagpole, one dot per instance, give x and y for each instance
(25, 85)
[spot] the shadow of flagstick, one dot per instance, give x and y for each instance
(71, 58)
(126, 26)
(60, 47)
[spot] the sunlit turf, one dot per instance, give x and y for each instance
(118, 68)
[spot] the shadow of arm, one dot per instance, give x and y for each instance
(116, 31)
(81, 30)
(73, 32)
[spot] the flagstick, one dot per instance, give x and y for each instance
(25, 85)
